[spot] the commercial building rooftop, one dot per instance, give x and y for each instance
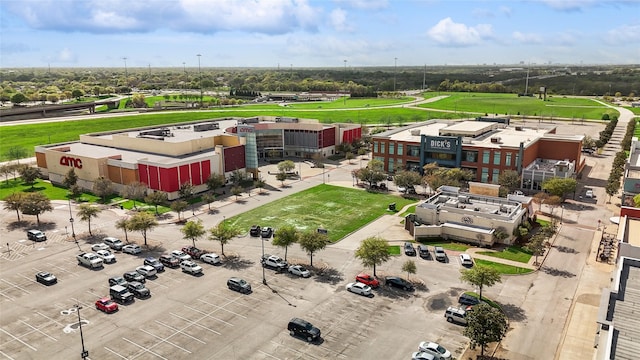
(451, 198)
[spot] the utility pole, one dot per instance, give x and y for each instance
(345, 82)
(395, 68)
(200, 81)
(424, 77)
(126, 76)
(85, 353)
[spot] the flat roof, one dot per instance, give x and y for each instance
(626, 336)
(178, 132)
(130, 156)
(468, 128)
(633, 226)
(473, 203)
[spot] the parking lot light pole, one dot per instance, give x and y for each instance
(85, 353)
(561, 213)
(73, 232)
(264, 280)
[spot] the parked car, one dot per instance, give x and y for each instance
(255, 231)
(274, 262)
(399, 283)
(46, 278)
(169, 261)
(465, 260)
(118, 280)
(368, 280)
(151, 261)
(299, 270)
(409, 250)
(132, 249)
(420, 355)
(303, 329)
(211, 258)
(266, 233)
(138, 290)
(106, 305)
(113, 243)
(435, 349)
(120, 294)
(359, 288)
(423, 251)
(589, 194)
(454, 314)
(180, 255)
(240, 285)
(134, 276)
(147, 271)
(106, 256)
(99, 246)
(190, 267)
(440, 254)
(468, 300)
(36, 235)
(193, 251)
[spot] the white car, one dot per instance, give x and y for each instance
(421, 355)
(100, 246)
(589, 194)
(106, 256)
(466, 260)
(359, 288)
(190, 267)
(211, 258)
(147, 271)
(180, 255)
(435, 349)
(132, 249)
(299, 270)
(113, 243)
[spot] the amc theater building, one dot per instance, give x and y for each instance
(486, 147)
(165, 157)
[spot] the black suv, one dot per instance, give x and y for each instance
(267, 232)
(399, 283)
(409, 250)
(304, 329)
(255, 231)
(468, 300)
(117, 280)
(120, 294)
(134, 276)
(239, 285)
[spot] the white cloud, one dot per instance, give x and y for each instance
(529, 38)
(448, 33)
(66, 55)
(569, 5)
(625, 34)
(339, 21)
(363, 4)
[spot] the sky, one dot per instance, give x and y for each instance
(316, 33)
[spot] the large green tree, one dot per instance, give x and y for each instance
(14, 202)
(286, 166)
(157, 198)
(485, 324)
(373, 172)
(179, 206)
(407, 178)
(193, 230)
(144, 222)
(215, 181)
(103, 187)
(36, 203)
(509, 180)
(223, 233)
(312, 242)
(285, 236)
(480, 276)
(373, 251)
(86, 212)
(409, 267)
(536, 245)
(135, 191)
(30, 174)
(559, 186)
(70, 179)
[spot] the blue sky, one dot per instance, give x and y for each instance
(316, 33)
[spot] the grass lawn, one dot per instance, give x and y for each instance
(446, 244)
(515, 253)
(503, 268)
(394, 250)
(410, 210)
(339, 210)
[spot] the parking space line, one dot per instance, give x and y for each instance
(62, 269)
(194, 323)
(145, 350)
(207, 315)
(115, 353)
(50, 319)
(16, 286)
(164, 340)
(40, 331)
(30, 279)
(7, 296)
(5, 355)
(306, 356)
(180, 332)
(18, 339)
(269, 355)
(223, 308)
(81, 303)
(234, 301)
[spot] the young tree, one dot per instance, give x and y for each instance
(193, 230)
(312, 242)
(237, 190)
(35, 203)
(409, 267)
(281, 176)
(179, 206)
(509, 180)
(285, 236)
(135, 191)
(14, 202)
(559, 186)
(540, 198)
(349, 156)
(157, 198)
(70, 178)
(406, 179)
(86, 212)
(5, 170)
(373, 173)
(286, 166)
(223, 232)
(480, 276)
(536, 245)
(215, 181)
(30, 174)
(260, 184)
(103, 187)
(373, 251)
(142, 221)
(75, 191)
(124, 225)
(208, 199)
(186, 191)
(16, 153)
(485, 324)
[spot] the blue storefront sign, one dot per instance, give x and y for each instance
(431, 146)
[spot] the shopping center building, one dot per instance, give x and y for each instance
(485, 146)
(165, 157)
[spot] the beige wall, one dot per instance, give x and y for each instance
(91, 168)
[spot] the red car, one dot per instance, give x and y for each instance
(193, 251)
(368, 280)
(106, 305)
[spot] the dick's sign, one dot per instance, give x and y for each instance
(440, 143)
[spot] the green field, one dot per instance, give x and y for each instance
(339, 210)
(515, 253)
(446, 244)
(503, 268)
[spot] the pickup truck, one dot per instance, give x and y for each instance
(193, 251)
(274, 262)
(89, 260)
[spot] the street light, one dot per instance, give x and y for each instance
(264, 279)
(200, 76)
(84, 354)
(561, 213)
(125, 71)
(73, 232)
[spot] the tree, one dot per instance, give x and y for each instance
(35, 203)
(193, 230)
(588, 142)
(186, 191)
(5, 170)
(260, 184)
(157, 198)
(536, 245)
(373, 172)
(138, 101)
(286, 166)
(349, 156)
(312, 242)
(407, 179)
(134, 191)
(223, 232)
(485, 324)
(77, 93)
(208, 199)
(636, 200)
(509, 180)
(409, 267)
(540, 198)
(103, 187)
(559, 186)
(480, 276)
(215, 181)
(124, 225)
(30, 174)
(612, 187)
(553, 201)
(14, 202)
(281, 176)
(70, 179)
(373, 251)
(179, 206)
(285, 236)
(86, 212)
(236, 191)
(18, 98)
(142, 221)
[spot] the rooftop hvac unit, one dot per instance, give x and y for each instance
(463, 199)
(415, 132)
(518, 128)
(495, 139)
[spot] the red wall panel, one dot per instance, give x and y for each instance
(328, 137)
(234, 158)
(153, 178)
(169, 179)
(184, 174)
(206, 170)
(196, 178)
(143, 172)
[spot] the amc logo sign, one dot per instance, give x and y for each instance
(69, 161)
